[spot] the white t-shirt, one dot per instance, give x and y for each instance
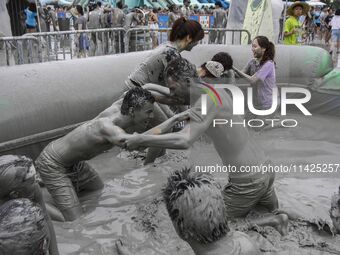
(335, 22)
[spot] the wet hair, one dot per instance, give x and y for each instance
(80, 9)
(23, 227)
(135, 98)
(195, 205)
(155, 10)
(20, 164)
(225, 59)
(99, 3)
(183, 27)
(120, 5)
(179, 69)
(269, 53)
(337, 12)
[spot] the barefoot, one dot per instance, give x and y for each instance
(281, 221)
(122, 250)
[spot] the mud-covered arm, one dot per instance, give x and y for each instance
(113, 133)
(251, 79)
(166, 126)
(179, 140)
(53, 248)
(161, 94)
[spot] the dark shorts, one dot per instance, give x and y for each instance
(30, 27)
(242, 195)
(63, 182)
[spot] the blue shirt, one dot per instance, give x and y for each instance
(30, 18)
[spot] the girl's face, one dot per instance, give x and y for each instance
(257, 50)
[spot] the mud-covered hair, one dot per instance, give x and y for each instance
(20, 164)
(183, 27)
(225, 59)
(24, 229)
(180, 68)
(195, 205)
(135, 98)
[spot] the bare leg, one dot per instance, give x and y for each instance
(54, 213)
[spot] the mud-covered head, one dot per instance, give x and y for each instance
(138, 104)
(23, 228)
(17, 177)
(180, 75)
(196, 207)
(335, 211)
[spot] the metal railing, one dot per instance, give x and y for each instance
(21, 49)
(63, 45)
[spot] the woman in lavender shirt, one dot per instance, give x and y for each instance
(260, 72)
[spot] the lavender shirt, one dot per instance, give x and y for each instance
(263, 92)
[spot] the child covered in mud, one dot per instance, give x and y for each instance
(25, 227)
(61, 164)
(195, 205)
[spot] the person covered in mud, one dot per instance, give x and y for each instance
(235, 145)
(62, 164)
(334, 212)
(25, 226)
(194, 202)
(185, 34)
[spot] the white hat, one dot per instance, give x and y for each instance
(215, 68)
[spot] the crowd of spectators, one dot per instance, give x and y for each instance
(309, 25)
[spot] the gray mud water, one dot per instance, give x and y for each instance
(130, 206)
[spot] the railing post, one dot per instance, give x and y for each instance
(126, 41)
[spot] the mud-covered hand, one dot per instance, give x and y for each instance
(133, 142)
(187, 115)
(121, 248)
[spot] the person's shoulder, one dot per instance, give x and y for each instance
(245, 243)
(269, 63)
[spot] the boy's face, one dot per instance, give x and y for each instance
(298, 11)
(144, 115)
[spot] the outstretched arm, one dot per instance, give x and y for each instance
(251, 79)
(166, 126)
(161, 94)
(179, 140)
